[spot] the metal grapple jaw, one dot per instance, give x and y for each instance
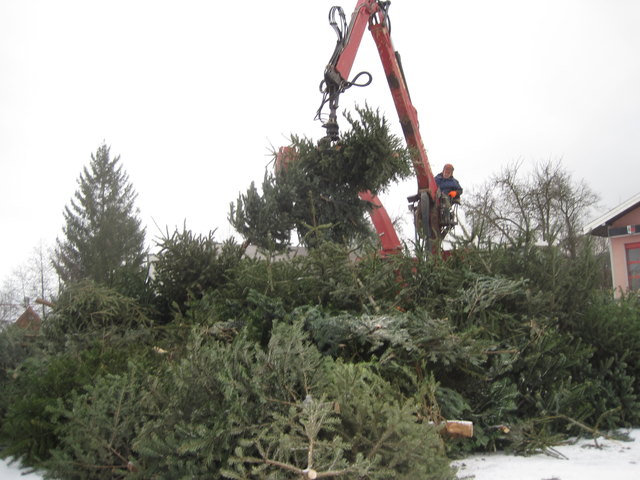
(333, 131)
(332, 94)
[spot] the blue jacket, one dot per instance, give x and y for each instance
(447, 185)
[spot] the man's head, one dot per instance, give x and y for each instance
(447, 171)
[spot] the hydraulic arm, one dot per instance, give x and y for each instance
(374, 15)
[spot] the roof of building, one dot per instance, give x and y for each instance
(599, 226)
(29, 319)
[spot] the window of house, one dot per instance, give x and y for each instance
(633, 265)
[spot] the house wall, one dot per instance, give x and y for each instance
(618, 255)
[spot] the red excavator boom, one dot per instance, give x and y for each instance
(426, 203)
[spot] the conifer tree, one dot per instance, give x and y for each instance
(317, 194)
(104, 240)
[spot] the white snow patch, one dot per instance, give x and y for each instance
(583, 460)
(13, 471)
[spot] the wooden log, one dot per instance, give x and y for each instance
(44, 302)
(457, 429)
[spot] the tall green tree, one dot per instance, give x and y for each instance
(104, 239)
(316, 195)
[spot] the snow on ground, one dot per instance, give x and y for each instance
(610, 459)
(12, 471)
(614, 459)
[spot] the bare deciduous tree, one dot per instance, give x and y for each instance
(34, 279)
(522, 209)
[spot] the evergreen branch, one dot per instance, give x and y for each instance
(381, 441)
(116, 419)
(281, 402)
(100, 467)
(310, 453)
(335, 473)
(500, 352)
(595, 432)
(284, 466)
(307, 473)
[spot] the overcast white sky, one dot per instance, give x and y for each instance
(194, 94)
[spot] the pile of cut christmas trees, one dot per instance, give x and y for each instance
(278, 366)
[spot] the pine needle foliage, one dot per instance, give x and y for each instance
(261, 290)
(29, 429)
(188, 265)
(264, 219)
(411, 338)
(317, 194)
(16, 345)
(612, 329)
(382, 426)
(87, 312)
(219, 392)
(97, 429)
(351, 424)
(93, 331)
(240, 411)
(300, 440)
(104, 240)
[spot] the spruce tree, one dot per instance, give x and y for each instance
(104, 240)
(317, 194)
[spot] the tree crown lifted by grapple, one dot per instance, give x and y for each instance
(434, 214)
